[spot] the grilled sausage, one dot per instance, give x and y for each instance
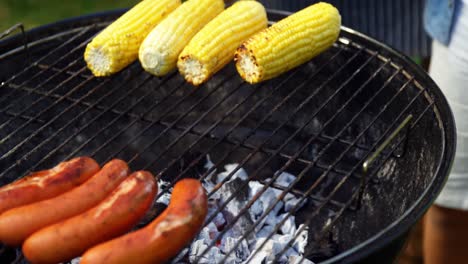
(18, 223)
(114, 216)
(163, 238)
(46, 184)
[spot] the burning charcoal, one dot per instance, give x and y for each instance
(290, 201)
(213, 255)
(260, 257)
(231, 259)
(285, 256)
(265, 231)
(219, 220)
(166, 197)
(208, 165)
(267, 253)
(234, 207)
(301, 241)
(239, 174)
(285, 179)
(264, 201)
(289, 226)
(209, 187)
(207, 234)
(272, 218)
(256, 209)
(244, 251)
(179, 258)
(241, 252)
(162, 185)
(299, 260)
(196, 249)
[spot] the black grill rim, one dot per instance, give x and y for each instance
(399, 227)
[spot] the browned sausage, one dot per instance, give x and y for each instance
(46, 184)
(163, 238)
(18, 223)
(114, 216)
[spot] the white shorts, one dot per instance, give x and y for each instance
(449, 69)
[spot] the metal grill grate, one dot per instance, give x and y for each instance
(350, 106)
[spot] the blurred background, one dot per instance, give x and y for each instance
(33, 13)
(397, 23)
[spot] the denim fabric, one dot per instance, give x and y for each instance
(438, 19)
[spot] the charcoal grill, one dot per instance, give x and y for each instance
(367, 133)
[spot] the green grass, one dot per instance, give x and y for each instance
(33, 13)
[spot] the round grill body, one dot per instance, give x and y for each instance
(368, 134)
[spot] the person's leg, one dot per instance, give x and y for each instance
(446, 223)
(445, 236)
(413, 252)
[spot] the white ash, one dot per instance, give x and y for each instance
(229, 168)
(218, 220)
(165, 197)
(208, 165)
(299, 260)
(250, 244)
(179, 258)
(301, 241)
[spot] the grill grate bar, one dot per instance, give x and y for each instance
(40, 99)
(252, 176)
(226, 114)
(111, 91)
(25, 117)
(246, 137)
(310, 141)
(15, 148)
(168, 110)
(308, 193)
(37, 115)
(225, 138)
(336, 188)
(179, 127)
(42, 71)
(120, 115)
(55, 69)
(308, 99)
(314, 197)
(189, 128)
(240, 120)
(355, 194)
(309, 166)
(122, 130)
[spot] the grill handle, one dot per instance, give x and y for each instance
(9, 31)
(366, 165)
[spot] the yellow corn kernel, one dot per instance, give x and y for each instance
(159, 51)
(117, 45)
(214, 46)
(289, 43)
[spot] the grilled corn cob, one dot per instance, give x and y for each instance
(214, 46)
(289, 43)
(117, 45)
(159, 51)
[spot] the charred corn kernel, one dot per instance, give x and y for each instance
(289, 43)
(159, 51)
(117, 45)
(214, 46)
